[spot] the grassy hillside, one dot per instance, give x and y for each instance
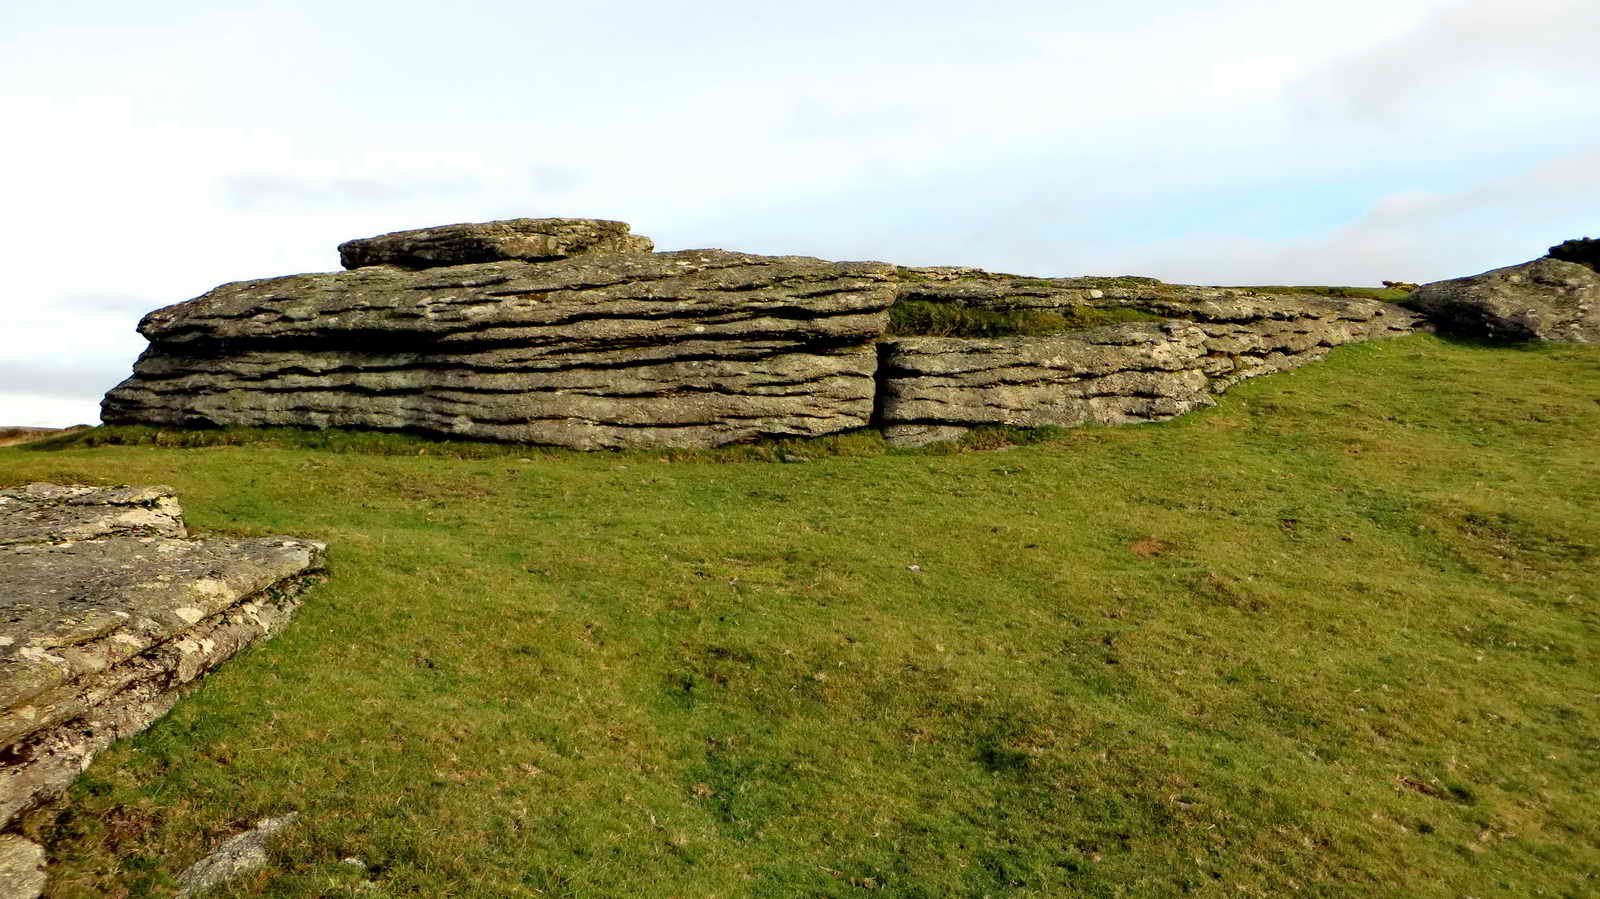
(1338, 635)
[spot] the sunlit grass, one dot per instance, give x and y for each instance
(1336, 635)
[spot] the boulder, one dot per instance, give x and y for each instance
(1546, 299)
(111, 613)
(530, 240)
(687, 349)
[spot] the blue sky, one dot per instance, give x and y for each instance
(157, 149)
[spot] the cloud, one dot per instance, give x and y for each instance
(1483, 61)
(29, 410)
(251, 191)
(43, 379)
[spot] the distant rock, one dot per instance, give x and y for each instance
(530, 240)
(1546, 299)
(1583, 250)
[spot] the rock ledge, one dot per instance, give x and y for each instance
(110, 614)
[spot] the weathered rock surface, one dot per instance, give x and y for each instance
(691, 349)
(1546, 299)
(1114, 375)
(107, 614)
(935, 388)
(21, 868)
(46, 513)
(533, 240)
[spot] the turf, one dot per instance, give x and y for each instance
(1334, 636)
(924, 318)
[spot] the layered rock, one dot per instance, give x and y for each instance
(1546, 299)
(689, 349)
(936, 388)
(563, 332)
(529, 240)
(111, 613)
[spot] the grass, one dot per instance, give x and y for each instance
(1386, 294)
(924, 318)
(1334, 636)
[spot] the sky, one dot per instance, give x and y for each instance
(154, 150)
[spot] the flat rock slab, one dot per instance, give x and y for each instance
(47, 513)
(531, 240)
(1546, 299)
(108, 613)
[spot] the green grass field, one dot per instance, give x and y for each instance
(1339, 635)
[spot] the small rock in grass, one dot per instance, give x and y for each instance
(238, 856)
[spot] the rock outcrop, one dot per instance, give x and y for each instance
(936, 388)
(111, 613)
(691, 349)
(567, 332)
(1546, 299)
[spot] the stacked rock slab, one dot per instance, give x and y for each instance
(937, 388)
(1546, 299)
(603, 348)
(531, 240)
(111, 612)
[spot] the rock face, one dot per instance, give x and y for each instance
(530, 240)
(689, 349)
(111, 612)
(936, 388)
(567, 332)
(1546, 299)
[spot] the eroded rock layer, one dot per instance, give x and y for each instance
(110, 612)
(690, 349)
(936, 388)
